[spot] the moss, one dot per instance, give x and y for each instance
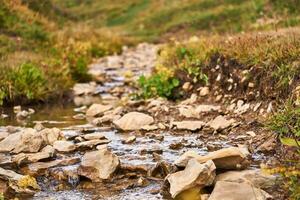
(28, 182)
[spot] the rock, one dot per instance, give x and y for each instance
(3, 135)
(38, 126)
(105, 119)
(17, 109)
(22, 185)
(150, 128)
(23, 158)
(268, 145)
(129, 140)
(93, 136)
(39, 168)
(189, 125)
(133, 121)
(79, 116)
(98, 165)
(228, 158)
(91, 143)
(5, 159)
(51, 135)
(220, 123)
(237, 191)
(28, 140)
(195, 174)
(241, 108)
(194, 112)
(187, 86)
(84, 88)
(204, 91)
(22, 115)
(96, 110)
(64, 146)
(254, 177)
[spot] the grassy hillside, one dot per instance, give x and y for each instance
(46, 46)
(149, 19)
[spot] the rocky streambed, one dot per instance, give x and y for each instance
(107, 146)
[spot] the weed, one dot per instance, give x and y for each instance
(157, 85)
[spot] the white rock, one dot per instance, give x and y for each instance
(204, 91)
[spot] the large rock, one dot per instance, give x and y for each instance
(255, 177)
(98, 165)
(96, 110)
(64, 146)
(23, 158)
(220, 123)
(237, 191)
(51, 135)
(39, 168)
(228, 158)
(133, 121)
(28, 140)
(195, 174)
(19, 184)
(189, 125)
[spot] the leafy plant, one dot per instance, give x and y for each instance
(157, 85)
(286, 123)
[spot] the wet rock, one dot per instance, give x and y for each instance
(81, 109)
(189, 125)
(23, 158)
(98, 165)
(79, 116)
(39, 168)
(93, 136)
(237, 191)
(105, 119)
(28, 140)
(187, 86)
(254, 177)
(142, 182)
(22, 115)
(220, 123)
(19, 184)
(64, 146)
(150, 128)
(51, 135)
(195, 174)
(133, 121)
(228, 158)
(3, 135)
(137, 168)
(161, 169)
(5, 159)
(268, 145)
(97, 110)
(91, 143)
(129, 140)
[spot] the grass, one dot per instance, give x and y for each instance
(39, 59)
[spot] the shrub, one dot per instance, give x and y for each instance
(157, 85)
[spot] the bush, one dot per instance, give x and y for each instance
(157, 85)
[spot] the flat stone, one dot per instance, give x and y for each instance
(40, 167)
(84, 89)
(93, 136)
(92, 143)
(189, 125)
(237, 191)
(220, 123)
(195, 174)
(64, 146)
(96, 110)
(227, 158)
(254, 177)
(98, 165)
(133, 121)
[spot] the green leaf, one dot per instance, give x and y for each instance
(289, 141)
